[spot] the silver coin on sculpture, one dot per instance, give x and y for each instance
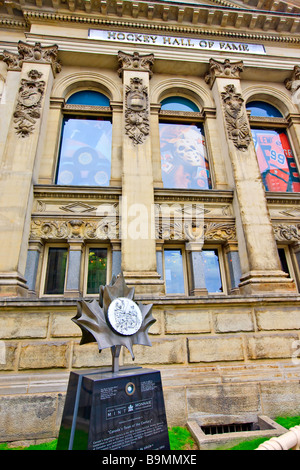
(124, 316)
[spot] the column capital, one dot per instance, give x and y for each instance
(224, 69)
(293, 84)
(34, 54)
(135, 62)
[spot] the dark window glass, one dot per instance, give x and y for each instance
(262, 109)
(276, 161)
(85, 154)
(88, 98)
(283, 261)
(174, 278)
(184, 160)
(212, 272)
(97, 267)
(56, 271)
(178, 103)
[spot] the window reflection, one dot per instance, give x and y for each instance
(212, 272)
(85, 155)
(97, 267)
(276, 161)
(174, 272)
(184, 160)
(56, 271)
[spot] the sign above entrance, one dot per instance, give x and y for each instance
(171, 41)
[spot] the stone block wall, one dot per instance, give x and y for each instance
(237, 359)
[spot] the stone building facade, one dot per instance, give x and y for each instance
(160, 139)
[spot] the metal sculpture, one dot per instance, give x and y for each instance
(115, 320)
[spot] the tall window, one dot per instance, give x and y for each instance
(273, 149)
(97, 269)
(56, 271)
(174, 271)
(85, 149)
(184, 160)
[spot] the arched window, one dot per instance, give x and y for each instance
(273, 149)
(184, 160)
(85, 147)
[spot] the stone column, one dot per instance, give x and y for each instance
(33, 257)
(116, 257)
(137, 213)
(20, 160)
(234, 265)
(74, 268)
(196, 265)
(260, 264)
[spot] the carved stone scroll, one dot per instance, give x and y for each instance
(287, 232)
(135, 62)
(224, 69)
(29, 103)
(32, 53)
(236, 118)
(136, 111)
(293, 84)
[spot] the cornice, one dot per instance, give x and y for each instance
(222, 19)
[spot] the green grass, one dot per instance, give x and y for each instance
(181, 439)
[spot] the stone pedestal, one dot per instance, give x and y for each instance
(114, 411)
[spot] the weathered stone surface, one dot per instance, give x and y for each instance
(281, 399)
(62, 325)
(27, 417)
(88, 355)
(175, 404)
(163, 351)
(222, 400)
(278, 319)
(215, 348)
(187, 321)
(266, 346)
(44, 355)
(233, 322)
(8, 354)
(23, 325)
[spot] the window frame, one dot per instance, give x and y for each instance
(177, 246)
(275, 124)
(291, 261)
(188, 117)
(222, 265)
(76, 111)
(84, 276)
(44, 269)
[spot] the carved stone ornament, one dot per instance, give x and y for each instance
(135, 62)
(293, 84)
(29, 53)
(136, 111)
(29, 103)
(107, 228)
(224, 69)
(287, 232)
(236, 118)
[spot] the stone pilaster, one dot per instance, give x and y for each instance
(137, 215)
(260, 264)
(36, 66)
(74, 267)
(196, 264)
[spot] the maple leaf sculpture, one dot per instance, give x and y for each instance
(93, 319)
